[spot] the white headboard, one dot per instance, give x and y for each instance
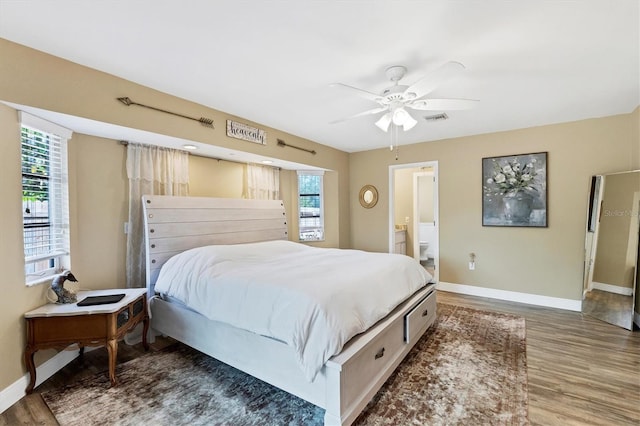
(175, 224)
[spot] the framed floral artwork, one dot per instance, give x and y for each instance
(514, 190)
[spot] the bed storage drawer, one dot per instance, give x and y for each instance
(371, 361)
(420, 318)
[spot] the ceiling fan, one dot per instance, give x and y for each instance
(395, 100)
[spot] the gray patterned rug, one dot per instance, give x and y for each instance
(468, 369)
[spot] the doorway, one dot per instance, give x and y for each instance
(413, 213)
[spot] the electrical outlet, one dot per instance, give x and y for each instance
(472, 266)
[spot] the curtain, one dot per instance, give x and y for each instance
(263, 182)
(151, 170)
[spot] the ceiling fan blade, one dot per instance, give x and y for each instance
(435, 78)
(362, 93)
(442, 104)
(361, 114)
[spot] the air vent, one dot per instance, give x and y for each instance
(437, 117)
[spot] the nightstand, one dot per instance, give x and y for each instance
(58, 326)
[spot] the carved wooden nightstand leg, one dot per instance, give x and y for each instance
(112, 348)
(28, 361)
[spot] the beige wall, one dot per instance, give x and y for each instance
(16, 298)
(98, 185)
(213, 178)
(547, 261)
(98, 195)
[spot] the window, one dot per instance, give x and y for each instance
(45, 197)
(310, 206)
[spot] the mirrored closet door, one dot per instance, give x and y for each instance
(611, 248)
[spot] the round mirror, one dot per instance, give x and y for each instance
(368, 196)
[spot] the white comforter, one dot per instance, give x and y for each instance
(313, 299)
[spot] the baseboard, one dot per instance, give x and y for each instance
(512, 296)
(625, 291)
(12, 394)
(636, 318)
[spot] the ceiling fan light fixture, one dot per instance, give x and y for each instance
(402, 118)
(409, 123)
(384, 122)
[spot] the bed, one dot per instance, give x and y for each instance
(180, 229)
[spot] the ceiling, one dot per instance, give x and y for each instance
(529, 63)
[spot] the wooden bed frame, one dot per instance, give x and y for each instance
(346, 383)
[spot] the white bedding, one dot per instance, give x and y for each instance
(313, 299)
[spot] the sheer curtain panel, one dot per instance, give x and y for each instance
(263, 182)
(151, 170)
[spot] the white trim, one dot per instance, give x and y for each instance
(597, 200)
(625, 291)
(14, 392)
(319, 173)
(34, 122)
(436, 209)
(310, 172)
(512, 296)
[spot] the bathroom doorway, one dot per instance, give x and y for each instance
(413, 213)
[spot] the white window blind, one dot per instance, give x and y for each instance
(310, 206)
(45, 196)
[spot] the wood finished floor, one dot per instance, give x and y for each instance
(581, 371)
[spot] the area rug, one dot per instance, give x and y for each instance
(468, 369)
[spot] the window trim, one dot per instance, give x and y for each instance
(60, 254)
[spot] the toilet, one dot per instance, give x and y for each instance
(426, 238)
(423, 250)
